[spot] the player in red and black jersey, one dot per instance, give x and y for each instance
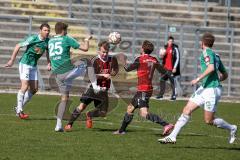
(145, 66)
(104, 67)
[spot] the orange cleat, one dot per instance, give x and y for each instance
(22, 115)
(68, 128)
(89, 122)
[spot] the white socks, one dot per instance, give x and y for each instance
(220, 123)
(182, 121)
(59, 124)
(20, 99)
(28, 95)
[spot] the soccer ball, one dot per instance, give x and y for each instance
(114, 37)
(162, 52)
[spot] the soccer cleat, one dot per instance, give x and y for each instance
(89, 122)
(173, 98)
(119, 133)
(159, 97)
(68, 128)
(233, 132)
(22, 115)
(167, 129)
(167, 139)
(59, 129)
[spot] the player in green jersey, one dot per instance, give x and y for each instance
(208, 94)
(63, 69)
(35, 45)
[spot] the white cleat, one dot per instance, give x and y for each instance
(233, 132)
(59, 129)
(167, 139)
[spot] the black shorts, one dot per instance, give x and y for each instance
(141, 99)
(100, 99)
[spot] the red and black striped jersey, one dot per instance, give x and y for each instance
(145, 65)
(110, 66)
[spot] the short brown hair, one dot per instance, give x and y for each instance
(208, 39)
(147, 47)
(171, 37)
(44, 25)
(60, 26)
(104, 44)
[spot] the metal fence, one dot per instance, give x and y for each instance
(226, 3)
(187, 37)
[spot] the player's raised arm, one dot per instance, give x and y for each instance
(132, 66)
(13, 57)
(115, 68)
(85, 45)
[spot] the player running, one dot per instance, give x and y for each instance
(207, 95)
(63, 69)
(145, 66)
(104, 66)
(35, 45)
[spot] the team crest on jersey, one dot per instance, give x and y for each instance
(207, 59)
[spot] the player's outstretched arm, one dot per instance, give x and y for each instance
(13, 57)
(85, 46)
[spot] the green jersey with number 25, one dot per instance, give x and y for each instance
(59, 53)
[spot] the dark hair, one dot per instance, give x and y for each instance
(60, 26)
(147, 47)
(170, 37)
(208, 39)
(104, 44)
(44, 25)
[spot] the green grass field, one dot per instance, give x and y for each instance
(35, 138)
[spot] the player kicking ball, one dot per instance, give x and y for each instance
(145, 66)
(207, 95)
(104, 67)
(63, 69)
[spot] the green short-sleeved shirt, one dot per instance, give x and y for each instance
(209, 57)
(59, 53)
(35, 49)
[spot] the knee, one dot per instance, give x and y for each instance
(186, 111)
(143, 114)
(64, 98)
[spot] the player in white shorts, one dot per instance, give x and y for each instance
(208, 95)
(35, 45)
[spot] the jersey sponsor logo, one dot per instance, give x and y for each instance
(38, 50)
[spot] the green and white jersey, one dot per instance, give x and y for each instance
(35, 49)
(209, 57)
(59, 53)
